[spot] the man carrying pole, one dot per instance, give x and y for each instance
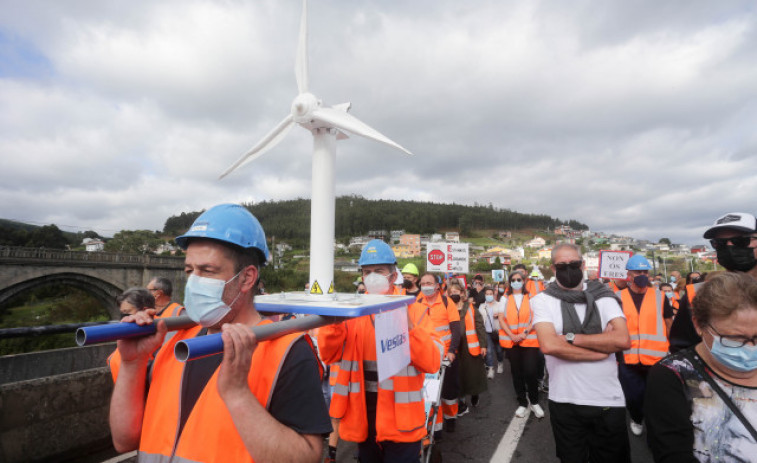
(238, 406)
(386, 418)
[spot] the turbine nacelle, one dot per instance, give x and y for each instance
(304, 107)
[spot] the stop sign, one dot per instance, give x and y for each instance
(436, 257)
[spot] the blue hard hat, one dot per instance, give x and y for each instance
(376, 252)
(229, 223)
(638, 262)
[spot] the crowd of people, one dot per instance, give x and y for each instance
(675, 355)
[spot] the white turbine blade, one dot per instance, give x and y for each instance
(269, 141)
(341, 120)
(301, 65)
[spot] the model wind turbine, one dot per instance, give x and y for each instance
(327, 124)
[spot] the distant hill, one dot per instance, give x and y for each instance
(14, 233)
(355, 215)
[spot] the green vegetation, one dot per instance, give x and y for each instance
(51, 305)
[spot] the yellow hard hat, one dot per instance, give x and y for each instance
(411, 269)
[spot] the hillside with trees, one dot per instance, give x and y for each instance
(355, 215)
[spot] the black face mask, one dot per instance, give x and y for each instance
(569, 277)
(407, 284)
(642, 281)
(455, 298)
(737, 259)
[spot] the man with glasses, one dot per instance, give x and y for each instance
(161, 289)
(734, 238)
(579, 329)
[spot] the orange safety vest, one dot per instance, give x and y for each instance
(474, 347)
(518, 320)
(400, 409)
(442, 313)
(534, 287)
(691, 291)
(209, 434)
(649, 339)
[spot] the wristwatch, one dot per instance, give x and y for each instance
(570, 337)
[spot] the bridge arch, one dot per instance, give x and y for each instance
(104, 292)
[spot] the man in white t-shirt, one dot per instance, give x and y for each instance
(586, 403)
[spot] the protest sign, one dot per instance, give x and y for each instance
(447, 257)
(498, 275)
(612, 264)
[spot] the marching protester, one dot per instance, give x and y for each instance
(534, 285)
(410, 279)
(387, 419)
(500, 293)
(236, 406)
(579, 330)
(472, 348)
(700, 400)
(446, 322)
(517, 336)
(490, 311)
(733, 238)
(162, 290)
(667, 290)
(648, 316)
(133, 300)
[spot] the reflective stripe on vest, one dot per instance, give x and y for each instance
(646, 327)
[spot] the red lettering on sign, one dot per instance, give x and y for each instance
(436, 257)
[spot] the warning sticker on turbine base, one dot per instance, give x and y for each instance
(316, 288)
(331, 288)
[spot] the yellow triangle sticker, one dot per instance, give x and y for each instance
(331, 288)
(316, 288)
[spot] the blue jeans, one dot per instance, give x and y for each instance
(492, 348)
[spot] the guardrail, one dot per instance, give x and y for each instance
(44, 254)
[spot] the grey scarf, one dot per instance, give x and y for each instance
(568, 298)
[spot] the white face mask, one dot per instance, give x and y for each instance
(376, 283)
(203, 299)
(428, 290)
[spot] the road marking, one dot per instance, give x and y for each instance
(509, 442)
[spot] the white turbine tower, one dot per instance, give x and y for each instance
(327, 125)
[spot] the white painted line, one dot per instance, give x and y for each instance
(122, 457)
(509, 442)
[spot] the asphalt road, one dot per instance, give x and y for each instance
(479, 433)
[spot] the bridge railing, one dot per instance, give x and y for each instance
(18, 252)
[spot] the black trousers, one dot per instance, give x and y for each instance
(370, 451)
(633, 380)
(587, 433)
(524, 368)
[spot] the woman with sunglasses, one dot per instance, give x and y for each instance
(700, 401)
(517, 336)
(472, 347)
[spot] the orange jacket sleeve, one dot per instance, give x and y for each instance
(331, 341)
(426, 348)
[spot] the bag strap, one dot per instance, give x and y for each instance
(698, 365)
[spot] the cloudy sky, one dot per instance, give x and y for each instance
(636, 118)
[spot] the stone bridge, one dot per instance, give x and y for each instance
(104, 275)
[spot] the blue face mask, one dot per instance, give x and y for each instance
(670, 294)
(516, 284)
(489, 298)
(203, 299)
(672, 279)
(742, 358)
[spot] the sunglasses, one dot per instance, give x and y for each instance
(739, 241)
(576, 264)
(516, 279)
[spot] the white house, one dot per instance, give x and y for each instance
(93, 244)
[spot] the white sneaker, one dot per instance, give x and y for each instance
(636, 428)
(500, 368)
(520, 412)
(490, 372)
(538, 412)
